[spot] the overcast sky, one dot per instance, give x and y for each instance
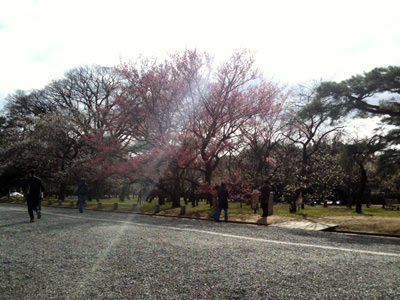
(293, 41)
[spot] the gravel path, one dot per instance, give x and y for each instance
(98, 255)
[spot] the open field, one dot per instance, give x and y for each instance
(374, 219)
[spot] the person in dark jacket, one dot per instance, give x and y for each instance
(222, 202)
(265, 191)
(33, 189)
(81, 190)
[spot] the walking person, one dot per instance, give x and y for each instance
(81, 190)
(33, 190)
(254, 199)
(264, 196)
(222, 202)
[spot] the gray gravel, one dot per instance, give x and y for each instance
(98, 255)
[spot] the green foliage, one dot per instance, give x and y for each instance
(374, 93)
(355, 93)
(359, 151)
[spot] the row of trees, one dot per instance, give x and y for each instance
(180, 126)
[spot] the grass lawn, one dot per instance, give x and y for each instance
(337, 210)
(203, 209)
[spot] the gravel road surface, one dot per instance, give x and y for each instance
(103, 255)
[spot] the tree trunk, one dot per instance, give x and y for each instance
(304, 155)
(161, 199)
(123, 193)
(292, 204)
(361, 189)
(208, 173)
(207, 179)
(176, 200)
(192, 199)
(176, 193)
(61, 191)
(292, 207)
(121, 197)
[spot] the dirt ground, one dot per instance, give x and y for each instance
(375, 224)
(369, 224)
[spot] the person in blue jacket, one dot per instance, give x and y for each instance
(81, 190)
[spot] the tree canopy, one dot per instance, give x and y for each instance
(179, 126)
(375, 92)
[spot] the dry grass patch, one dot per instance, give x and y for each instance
(369, 224)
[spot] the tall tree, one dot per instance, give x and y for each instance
(149, 108)
(358, 154)
(87, 94)
(262, 134)
(373, 93)
(221, 101)
(309, 130)
(64, 114)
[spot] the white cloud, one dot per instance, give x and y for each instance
(361, 128)
(294, 41)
